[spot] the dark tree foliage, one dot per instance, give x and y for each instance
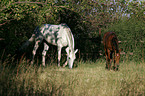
(84, 17)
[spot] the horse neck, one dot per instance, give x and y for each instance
(70, 40)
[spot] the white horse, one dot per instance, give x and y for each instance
(58, 35)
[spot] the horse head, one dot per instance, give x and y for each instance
(117, 58)
(71, 57)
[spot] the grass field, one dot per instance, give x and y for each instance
(88, 79)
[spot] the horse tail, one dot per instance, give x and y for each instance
(27, 43)
(34, 35)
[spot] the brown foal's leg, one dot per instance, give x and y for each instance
(109, 58)
(106, 58)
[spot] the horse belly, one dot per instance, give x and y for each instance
(58, 41)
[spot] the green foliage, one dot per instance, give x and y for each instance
(19, 18)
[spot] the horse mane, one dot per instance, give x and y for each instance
(70, 36)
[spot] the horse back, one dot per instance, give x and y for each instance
(110, 41)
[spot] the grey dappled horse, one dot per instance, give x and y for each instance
(58, 35)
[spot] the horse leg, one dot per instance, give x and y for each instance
(35, 49)
(106, 58)
(59, 55)
(107, 62)
(109, 58)
(67, 50)
(114, 67)
(65, 63)
(46, 47)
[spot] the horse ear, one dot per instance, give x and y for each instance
(76, 51)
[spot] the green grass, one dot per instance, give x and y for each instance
(88, 79)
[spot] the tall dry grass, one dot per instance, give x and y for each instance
(88, 79)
